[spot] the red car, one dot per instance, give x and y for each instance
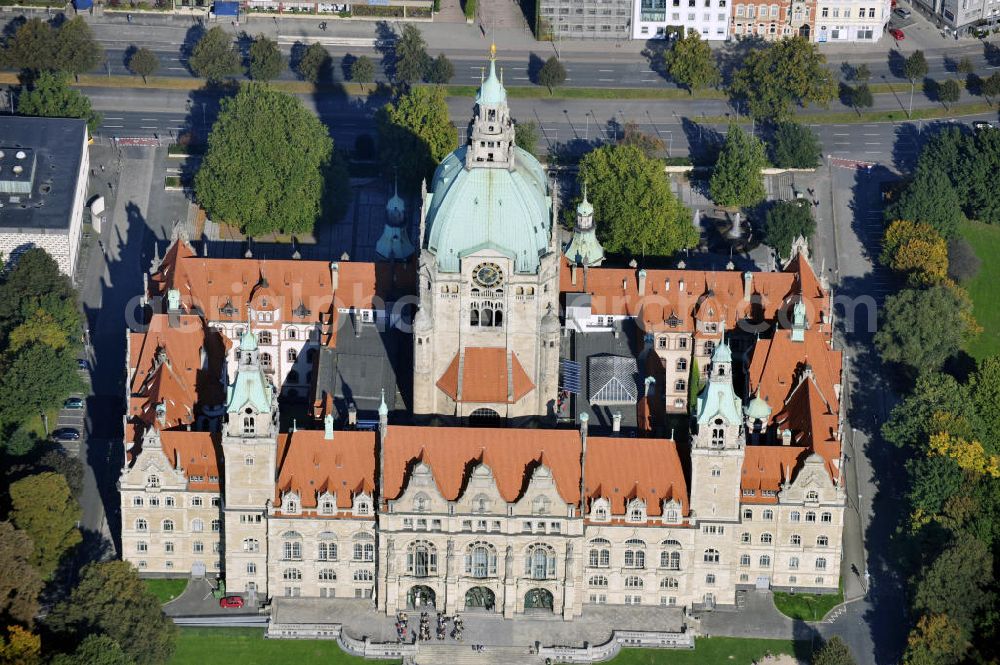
(231, 602)
(897, 34)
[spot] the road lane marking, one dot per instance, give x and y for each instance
(112, 126)
(153, 127)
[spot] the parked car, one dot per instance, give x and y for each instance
(903, 12)
(897, 34)
(83, 364)
(980, 125)
(66, 434)
(231, 602)
(73, 403)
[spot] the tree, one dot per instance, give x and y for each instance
(963, 262)
(41, 327)
(694, 385)
(834, 652)
(31, 47)
(965, 65)
(991, 86)
(929, 198)
(915, 419)
(779, 74)
(76, 50)
(363, 70)
(35, 282)
(794, 146)
(95, 650)
(68, 466)
(415, 134)
(948, 92)
(316, 64)
(957, 582)
(411, 60)
(20, 442)
(690, 62)
(440, 70)
(35, 379)
(552, 74)
(979, 169)
(736, 179)
(42, 506)
(51, 97)
(862, 73)
(143, 62)
(22, 647)
(917, 249)
(20, 582)
(526, 136)
(214, 57)
(263, 169)
(784, 222)
(936, 640)
(638, 212)
(861, 98)
(915, 66)
(111, 599)
(921, 328)
(632, 134)
(266, 61)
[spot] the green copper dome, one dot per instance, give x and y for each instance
(757, 409)
(505, 209)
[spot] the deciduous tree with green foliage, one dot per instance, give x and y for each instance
(929, 198)
(921, 328)
(736, 179)
(936, 640)
(956, 583)
(35, 379)
(861, 98)
(526, 136)
(20, 582)
(31, 47)
(552, 74)
(916, 249)
(694, 385)
(411, 61)
(95, 650)
(415, 134)
(214, 57)
(51, 97)
(690, 62)
(948, 92)
(363, 70)
(639, 214)
(862, 73)
(834, 652)
(263, 170)
(794, 146)
(991, 86)
(779, 74)
(76, 49)
(965, 65)
(111, 599)
(440, 70)
(316, 64)
(42, 507)
(784, 222)
(915, 66)
(266, 61)
(143, 62)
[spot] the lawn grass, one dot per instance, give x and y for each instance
(34, 422)
(247, 646)
(807, 606)
(167, 589)
(708, 651)
(985, 239)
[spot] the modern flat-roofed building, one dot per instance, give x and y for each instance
(584, 19)
(43, 184)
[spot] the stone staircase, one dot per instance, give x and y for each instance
(462, 654)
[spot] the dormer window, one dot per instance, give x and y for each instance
(601, 510)
(636, 511)
(541, 505)
(327, 506)
(290, 503)
(152, 480)
(362, 505)
(812, 495)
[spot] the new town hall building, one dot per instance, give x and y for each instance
(479, 419)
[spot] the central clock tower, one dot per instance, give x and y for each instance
(486, 335)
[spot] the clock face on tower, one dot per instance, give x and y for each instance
(488, 275)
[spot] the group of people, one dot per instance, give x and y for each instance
(423, 632)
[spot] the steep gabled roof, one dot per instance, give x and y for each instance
(621, 469)
(310, 464)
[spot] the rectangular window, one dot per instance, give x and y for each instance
(825, 12)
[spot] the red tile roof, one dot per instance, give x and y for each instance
(199, 455)
(621, 469)
(766, 467)
(488, 375)
(310, 464)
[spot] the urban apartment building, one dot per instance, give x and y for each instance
(963, 16)
(658, 18)
(851, 20)
(584, 19)
(43, 187)
(518, 472)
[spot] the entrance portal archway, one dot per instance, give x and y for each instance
(420, 597)
(538, 599)
(480, 597)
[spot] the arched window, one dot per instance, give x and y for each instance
(765, 561)
(669, 583)
(745, 537)
(821, 563)
(633, 582)
(168, 525)
(716, 472)
(637, 511)
(421, 559)
(748, 514)
(600, 553)
(481, 560)
(826, 517)
(474, 317)
(265, 360)
(292, 546)
(598, 581)
(711, 556)
(670, 560)
(795, 516)
(197, 525)
(671, 516)
(168, 502)
(744, 560)
(251, 545)
(812, 495)
(810, 516)
(264, 337)
(364, 548)
(292, 333)
(327, 575)
(326, 551)
(152, 480)
(249, 425)
(766, 539)
(793, 563)
(141, 525)
(291, 574)
(680, 384)
(682, 364)
(796, 539)
(327, 506)
(768, 515)
(635, 553)
(822, 541)
(486, 316)
(718, 437)
(540, 562)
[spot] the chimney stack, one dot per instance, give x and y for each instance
(616, 422)
(334, 276)
(352, 415)
(328, 427)
(642, 282)
(786, 437)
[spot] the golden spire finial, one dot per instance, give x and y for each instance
(493, 51)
